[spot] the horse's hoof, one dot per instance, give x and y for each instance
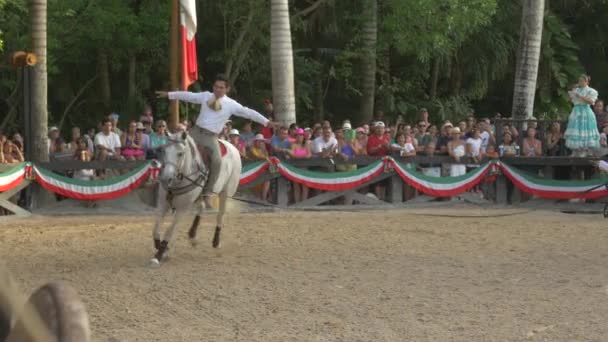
(216, 244)
(157, 244)
(154, 263)
(193, 242)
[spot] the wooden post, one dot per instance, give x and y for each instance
(501, 189)
(173, 64)
(395, 189)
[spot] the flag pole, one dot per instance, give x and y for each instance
(173, 64)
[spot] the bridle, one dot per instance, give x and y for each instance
(200, 173)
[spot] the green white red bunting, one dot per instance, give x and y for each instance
(252, 171)
(555, 189)
(330, 181)
(94, 189)
(12, 177)
(334, 181)
(441, 186)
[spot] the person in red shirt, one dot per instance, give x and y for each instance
(378, 144)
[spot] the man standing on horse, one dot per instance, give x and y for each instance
(216, 109)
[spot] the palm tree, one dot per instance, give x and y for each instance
(281, 57)
(368, 66)
(528, 57)
(39, 115)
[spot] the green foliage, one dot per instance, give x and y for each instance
(468, 45)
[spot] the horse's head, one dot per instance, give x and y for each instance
(176, 158)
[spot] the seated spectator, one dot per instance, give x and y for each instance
(73, 144)
(508, 147)
(402, 148)
(114, 119)
(235, 139)
(378, 144)
(431, 170)
(107, 143)
(247, 134)
(147, 117)
(604, 136)
(423, 137)
(18, 141)
(82, 153)
(300, 149)
(9, 152)
(326, 145)
(360, 142)
(462, 125)
(532, 147)
(56, 143)
(160, 136)
(444, 138)
(485, 133)
(554, 140)
(291, 133)
(601, 116)
(258, 152)
(147, 124)
(131, 143)
(280, 143)
(491, 152)
(456, 150)
(145, 138)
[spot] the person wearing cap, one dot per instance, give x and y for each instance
(216, 110)
(131, 142)
(444, 138)
(114, 119)
(258, 152)
(56, 143)
(235, 139)
(378, 144)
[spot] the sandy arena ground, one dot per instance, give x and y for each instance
(333, 276)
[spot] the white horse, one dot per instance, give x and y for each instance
(182, 177)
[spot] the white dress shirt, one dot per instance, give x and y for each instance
(212, 120)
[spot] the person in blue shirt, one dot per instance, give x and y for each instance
(280, 142)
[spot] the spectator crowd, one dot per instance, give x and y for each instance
(476, 138)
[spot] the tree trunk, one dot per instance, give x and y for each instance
(368, 67)
(104, 80)
(319, 90)
(132, 83)
(435, 77)
(528, 57)
(39, 115)
(281, 57)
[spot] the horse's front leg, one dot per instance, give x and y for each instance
(163, 249)
(223, 197)
(162, 209)
(195, 224)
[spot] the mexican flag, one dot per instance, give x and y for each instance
(188, 31)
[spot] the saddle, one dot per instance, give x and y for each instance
(205, 157)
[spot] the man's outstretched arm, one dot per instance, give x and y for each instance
(182, 96)
(252, 115)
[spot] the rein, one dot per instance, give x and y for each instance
(201, 174)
